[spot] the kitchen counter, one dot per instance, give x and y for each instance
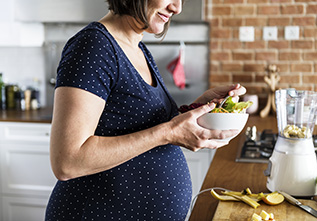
(42, 115)
(225, 172)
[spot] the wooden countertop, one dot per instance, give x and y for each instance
(225, 172)
(42, 115)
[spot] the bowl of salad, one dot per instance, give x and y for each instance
(232, 115)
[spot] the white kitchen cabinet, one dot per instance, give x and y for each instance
(60, 10)
(26, 176)
(198, 163)
(24, 208)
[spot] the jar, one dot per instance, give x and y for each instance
(10, 96)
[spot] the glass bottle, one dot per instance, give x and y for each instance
(2, 93)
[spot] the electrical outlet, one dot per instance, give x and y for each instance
(246, 33)
(269, 33)
(291, 32)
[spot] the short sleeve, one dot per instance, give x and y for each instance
(88, 62)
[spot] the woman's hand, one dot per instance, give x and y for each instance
(186, 132)
(218, 93)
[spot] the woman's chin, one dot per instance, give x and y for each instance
(155, 30)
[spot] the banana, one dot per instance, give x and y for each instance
(245, 199)
(245, 195)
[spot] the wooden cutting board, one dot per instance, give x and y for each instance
(239, 211)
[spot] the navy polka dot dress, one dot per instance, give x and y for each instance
(155, 185)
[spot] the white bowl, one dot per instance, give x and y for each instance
(223, 121)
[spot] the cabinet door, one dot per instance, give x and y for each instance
(23, 209)
(25, 133)
(198, 163)
(25, 162)
(26, 170)
(60, 10)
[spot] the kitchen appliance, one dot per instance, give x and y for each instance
(292, 168)
(259, 148)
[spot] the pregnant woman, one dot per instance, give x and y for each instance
(116, 131)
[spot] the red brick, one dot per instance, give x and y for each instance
(231, 44)
(242, 78)
(232, 67)
(311, 9)
(242, 55)
(254, 67)
(214, 45)
(309, 78)
(307, 1)
(214, 66)
(256, 21)
(244, 10)
(232, 1)
(258, 1)
(303, 44)
(220, 33)
(280, 32)
(268, 10)
(278, 44)
(283, 67)
(220, 56)
(221, 10)
(291, 79)
(266, 56)
(301, 67)
(232, 22)
(292, 9)
(279, 21)
(258, 33)
(235, 33)
(304, 21)
(255, 45)
(312, 56)
(310, 33)
(219, 78)
(260, 78)
(281, 1)
(214, 22)
(290, 56)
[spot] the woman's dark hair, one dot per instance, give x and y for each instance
(136, 9)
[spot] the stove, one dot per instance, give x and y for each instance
(258, 146)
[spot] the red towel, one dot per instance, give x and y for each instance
(176, 67)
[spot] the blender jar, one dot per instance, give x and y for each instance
(296, 113)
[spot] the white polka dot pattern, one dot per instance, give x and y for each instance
(153, 186)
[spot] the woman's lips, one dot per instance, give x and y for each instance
(165, 18)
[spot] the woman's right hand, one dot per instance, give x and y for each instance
(186, 132)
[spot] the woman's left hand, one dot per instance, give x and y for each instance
(218, 93)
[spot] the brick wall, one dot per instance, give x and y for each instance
(234, 61)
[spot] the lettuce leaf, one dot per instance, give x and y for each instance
(239, 107)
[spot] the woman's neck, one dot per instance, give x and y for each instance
(123, 28)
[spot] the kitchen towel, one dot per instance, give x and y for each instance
(176, 67)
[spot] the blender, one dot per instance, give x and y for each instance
(292, 168)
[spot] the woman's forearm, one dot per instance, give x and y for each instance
(99, 153)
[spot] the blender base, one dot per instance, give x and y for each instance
(293, 167)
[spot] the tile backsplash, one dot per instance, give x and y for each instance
(22, 65)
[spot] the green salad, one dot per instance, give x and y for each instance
(228, 107)
(231, 107)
